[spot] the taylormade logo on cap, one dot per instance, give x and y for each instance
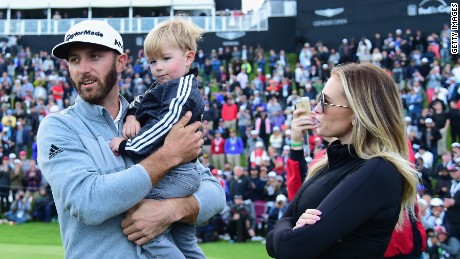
(90, 31)
(85, 32)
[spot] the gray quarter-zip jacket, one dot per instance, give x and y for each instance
(92, 187)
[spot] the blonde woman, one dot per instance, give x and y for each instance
(355, 195)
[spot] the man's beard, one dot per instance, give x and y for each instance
(96, 95)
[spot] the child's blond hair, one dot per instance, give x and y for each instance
(175, 32)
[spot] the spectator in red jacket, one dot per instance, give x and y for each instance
(229, 113)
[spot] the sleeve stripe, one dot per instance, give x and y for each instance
(164, 125)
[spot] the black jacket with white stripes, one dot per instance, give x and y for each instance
(158, 110)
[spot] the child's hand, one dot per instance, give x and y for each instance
(310, 217)
(131, 127)
(114, 144)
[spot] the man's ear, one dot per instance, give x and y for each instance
(121, 62)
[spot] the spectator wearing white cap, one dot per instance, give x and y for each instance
(287, 137)
(257, 154)
(251, 142)
(269, 160)
(345, 51)
(437, 213)
(409, 126)
(16, 176)
(424, 69)
(424, 211)
(276, 212)
(272, 189)
(11, 157)
(455, 147)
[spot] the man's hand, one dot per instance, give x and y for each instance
(115, 144)
(150, 218)
(131, 127)
(184, 142)
(147, 220)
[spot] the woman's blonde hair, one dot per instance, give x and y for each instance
(378, 129)
(175, 32)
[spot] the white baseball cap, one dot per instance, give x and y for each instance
(281, 197)
(436, 202)
(89, 31)
(428, 120)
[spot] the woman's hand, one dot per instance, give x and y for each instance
(301, 123)
(310, 217)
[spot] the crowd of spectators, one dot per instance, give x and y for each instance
(250, 94)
